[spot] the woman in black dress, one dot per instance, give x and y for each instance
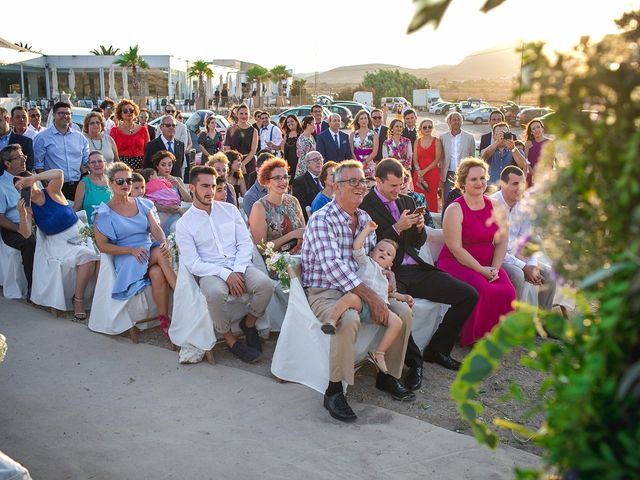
(243, 138)
(210, 139)
(291, 131)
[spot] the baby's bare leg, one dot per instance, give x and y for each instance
(347, 301)
(391, 333)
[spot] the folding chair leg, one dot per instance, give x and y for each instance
(208, 355)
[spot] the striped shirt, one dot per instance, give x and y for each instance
(327, 249)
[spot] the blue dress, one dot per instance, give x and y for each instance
(320, 201)
(52, 217)
(131, 275)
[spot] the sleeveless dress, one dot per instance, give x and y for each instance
(131, 275)
(94, 195)
(426, 156)
(282, 219)
(131, 147)
(362, 148)
(61, 225)
(401, 152)
(495, 297)
(534, 156)
(290, 153)
(104, 146)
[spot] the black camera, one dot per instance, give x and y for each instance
(509, 136)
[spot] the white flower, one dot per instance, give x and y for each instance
(270, 245)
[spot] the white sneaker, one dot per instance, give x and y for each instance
(190, 354)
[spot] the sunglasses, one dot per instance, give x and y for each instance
(169, 125)
(128, 110)
(376, 118)
(427, 127)
(170, 111)
(121, 181)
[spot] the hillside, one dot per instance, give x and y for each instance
(488, 65)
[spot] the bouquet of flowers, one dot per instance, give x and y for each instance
(278, 263)
(173, 251)
(85, 234)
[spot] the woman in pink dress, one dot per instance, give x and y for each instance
(364, 142)
(427, 156)
(473, 253)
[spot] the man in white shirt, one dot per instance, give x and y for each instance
(270, 135)
(456, 145)
(35, 123)
(522, 269)
(216, 247)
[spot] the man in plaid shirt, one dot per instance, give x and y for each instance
(329, 271)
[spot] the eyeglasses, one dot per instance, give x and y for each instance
(169, 125)
(63, 114)
(427, 127)
(95, 123)
(34, 115)
(128, 110)
(376, 118)
(279, 178)
(121, 181)
(170, 111)
(20, 157)
(354, 182)
(96, 162)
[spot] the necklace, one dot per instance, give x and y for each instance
(129, 129)
(94, 145)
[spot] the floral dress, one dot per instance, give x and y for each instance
(362, 148)
(304, 146)
(402, 151)
(282, 219)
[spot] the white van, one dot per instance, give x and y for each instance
(365, 98)
(394, 102)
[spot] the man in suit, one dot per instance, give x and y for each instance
(392, 212)
(495, 117)
(166, 141)
(381, 130)
(332, 143)
(410, 119)
(13, 136)
(143, 120)
(306, 187)
(319, 125)
(456, 145)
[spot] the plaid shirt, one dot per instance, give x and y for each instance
(327, 249)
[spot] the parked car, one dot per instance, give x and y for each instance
(393, 102)
(85, 103)
(434, 106)
(353, 107)
(345, 114)
(300, 112)
(468, 106)
(77, 116)
(479, 115)
(444, 108)
(528, 114)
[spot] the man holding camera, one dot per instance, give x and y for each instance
(502, 153)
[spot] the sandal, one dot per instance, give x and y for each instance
(374, 357)
(78, 315)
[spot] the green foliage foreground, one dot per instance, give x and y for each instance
(587, 209)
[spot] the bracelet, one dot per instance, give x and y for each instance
(514, 149)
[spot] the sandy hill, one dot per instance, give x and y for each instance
(489, 65)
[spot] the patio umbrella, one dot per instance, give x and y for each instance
(125, 83)
(112, 82)
(238, 86)
(72, 81)
(54, 82)
(11, 53)
(221, 82)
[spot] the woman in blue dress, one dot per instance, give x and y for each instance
(121, 229)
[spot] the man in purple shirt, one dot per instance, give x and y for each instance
(393, 212)
(329, 271)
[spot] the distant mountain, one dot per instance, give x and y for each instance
(488, 65)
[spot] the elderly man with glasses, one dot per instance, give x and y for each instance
(35, 123)
(63, 148)
(329, 271)
(306, 187)
(169, 142)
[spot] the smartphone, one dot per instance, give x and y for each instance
(25, 193)
(420, 210)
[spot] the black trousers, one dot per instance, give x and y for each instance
(69, 190)
(437, 286)
(27, 247)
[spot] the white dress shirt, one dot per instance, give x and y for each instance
(217, 244)
(519, 230)
(455, 151)
(32, 132)
(181, 132)
(270, 133)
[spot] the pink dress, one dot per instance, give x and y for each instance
(495, 297)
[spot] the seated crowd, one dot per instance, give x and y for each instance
(359, 223)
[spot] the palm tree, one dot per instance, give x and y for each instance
(257, 73)
(25, 45)
(102, 50)
(202, 70)
(279, 73)
(131, 59)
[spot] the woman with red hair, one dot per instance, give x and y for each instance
(277, 217)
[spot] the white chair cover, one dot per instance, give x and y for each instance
(54, 266)
(302, 351)
(115, 316)
(277, 308)
(12, 276)
(430, 251)
(190, 320)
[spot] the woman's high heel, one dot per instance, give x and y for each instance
(78, 316)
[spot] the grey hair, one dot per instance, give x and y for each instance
(313, 154)
(451, 114)
(95, 152)
(337, 173)
(335, 115)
